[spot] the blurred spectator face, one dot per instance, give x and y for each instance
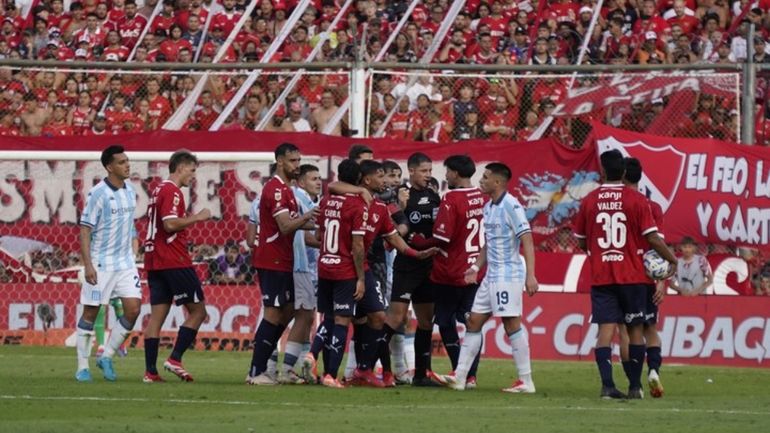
(688, 250)
(486, 43)
(759, 45)
(466, 93)
(423, 102)
(711, 24)
(185, 56)
(193, 23)
(501, 104)
(483, 10)
(273, 86)
(130, 10)
(676, 31)
(176, 33)
(101, 11)
(389, 102)
(91, 83)
(541, 46)
(266, 7)
(92, 23)
(446, 93)
(144, 106)
(30, 104)
(679, 8)
(84, 99)
(648, 8)
(153, 87)
(228, 4)
(471, 118)
(206, 100)
(57, 6)
(300, 35)
(59, 113)
(547, 107)
(100, 123)
(764, 284)
(327, 100)
(149, 41)
(52, 98)
(403, 105)
(253, 105)
(295, 114)
(113, 38)
(119, 103)
(38, 268)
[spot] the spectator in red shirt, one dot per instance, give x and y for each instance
(298, 44)
(57, 126)
(93, 33)
(171, 46)
(454, 49)
(113, 46)
(165, 18)
(227, 18)
(145, 121)
(531, 122)
(650, 21)
(131, 27)
(500, 124)
(81, 115)
(496, 22)
(486, 54)
(117, 114)
(205, 115)
(159, 107)
(8, 124)
(56, 13)
(687, 22)
(99, 126)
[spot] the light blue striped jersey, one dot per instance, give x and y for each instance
(305, 258)
(254, 212)
(109, 211)
(504, 222)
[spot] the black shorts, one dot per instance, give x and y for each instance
(453, 303)
(380, 272)
(373, 300)
(412, 286)
(180, 286)
(619, 303)
(336, 297)
(277, 287)
(651, 314)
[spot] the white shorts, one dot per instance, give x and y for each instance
(111, 285)
(502, 299)
(305, 291)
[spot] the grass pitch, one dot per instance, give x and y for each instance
(38, 393)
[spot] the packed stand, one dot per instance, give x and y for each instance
(439, 107)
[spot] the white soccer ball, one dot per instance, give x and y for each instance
(655, 266)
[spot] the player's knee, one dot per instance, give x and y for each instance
(376, 320)
(89, 313)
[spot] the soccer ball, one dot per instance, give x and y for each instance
(655, 266)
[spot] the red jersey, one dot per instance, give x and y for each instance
(276, 250)
(459, 225)
(160, 109)
(506, 118)
(379, 223)
(497, 27)
(81, 120)
(121, 51)
(204, 118)
(164, 250)
(130, 30)
(57, 130)
(226, 21)
(614, 220)
(342, 217)
(116, 119)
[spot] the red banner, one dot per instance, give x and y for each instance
(713, 191)
(701, 330)
(627, 89)
(41, 199)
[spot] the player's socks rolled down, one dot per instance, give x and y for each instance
(291, 354)
(520, 350)
(469, 351)
(422, 349)
(305, 350)
(409, 351)
(151, 354)
(336, 348)
(84, 338)
(272, 363)
(99, 326)
(369, 347)
(654, 358)
(603, 356)
(264, 343)
(184, 339)
(319, 339)
(118, 335)
(636, 353)
(383, 351)
(451, 343)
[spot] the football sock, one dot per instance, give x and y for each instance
(654, 358)
(469, 350)
(290, 355)
(336, 348)
(451, 343)
(397, 350)
(305, 350)
(272, 362)
(409, 351)
(627, 369)
(151, 354)
(264, 343)
(118, 335)
(85, 334)
(475, 365)
(422, 348)
(369, 347)
(184, 340)
(636, 353)
(352, 360)
(383, 351)
(319, 339)
(359, 341)
(603, 357)
(117, 304)
(520, 348)
(99, 326)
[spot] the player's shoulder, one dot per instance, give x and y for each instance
(98, 190)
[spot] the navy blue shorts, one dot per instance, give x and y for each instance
(619, 303)
(414, 287)
(180, 286)
(651, 315)
(336, 297)
(453, 303)
(277, 287)
(373, 300)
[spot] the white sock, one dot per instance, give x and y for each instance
(305, 351)
(468, 350)
(397, 353)
(520, 346)
(272, 363)
(290, 355)
(84, 341)
(409, 351)
(118, 335)
(351, 364)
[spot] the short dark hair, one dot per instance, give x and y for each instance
(181, 156)
(349, 171)
(633, 170)
(416, 159)
(307, 168)
(612, 163)
(389, 165)
(357, 149)
(109, 153)
(499, 169)
(370, 166)
(285, 148)
(272, 168)
(462, 164)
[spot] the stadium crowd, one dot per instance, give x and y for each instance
(51, 102)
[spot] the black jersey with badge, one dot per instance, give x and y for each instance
(376, 253)
(421, 211)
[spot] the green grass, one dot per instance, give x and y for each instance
(38, 394)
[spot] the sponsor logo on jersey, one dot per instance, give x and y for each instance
(341, 306)
(423, 200)
(415, 217)
(376, 218)
(176, 200)
(277, 195)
